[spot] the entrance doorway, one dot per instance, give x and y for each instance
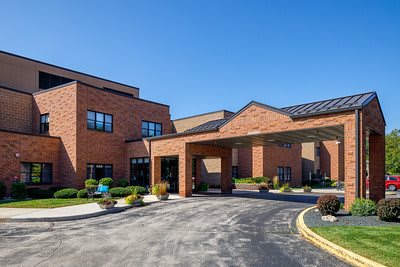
(170, 172)
(140, 172)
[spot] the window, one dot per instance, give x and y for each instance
(287, 145)
(98, 171)
(150, 129)
(47, 80)
(235, 173)
(140, 171)
(99, 121)
(288, 173)
(318, 151)
(280, 173)
(44, 123)
(36, 173)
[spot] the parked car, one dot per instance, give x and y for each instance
(392, 182)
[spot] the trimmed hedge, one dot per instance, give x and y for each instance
(388, 209)
(66, 193)
(38, 193)
(122, 183)
(18, 190)
(328, 204)
(106, 181)
(82, 193)
(250, 180)
(120, 191)
(91, 183)
(3, 190)
(363, 207)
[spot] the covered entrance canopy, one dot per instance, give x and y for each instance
(352, 120)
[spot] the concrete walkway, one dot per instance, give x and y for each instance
(70, 212)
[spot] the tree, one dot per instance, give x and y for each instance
(393, 152)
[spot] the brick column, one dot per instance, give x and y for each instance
(362, 190)
(258, 161)
(350, 163)
(376, 167)
(155, 170)
(226, 174)
(199, 161)
(185, 173)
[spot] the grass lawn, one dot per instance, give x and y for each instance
(43, 203)
(378, 243)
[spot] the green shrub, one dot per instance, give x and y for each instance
(3, 190)
(203, 187)
(91, 183)
(285, 188)
(328, 204)
(120, 191)
(66, 193)
(106, 181)
(334, 184)
(250, 180)
(38, 193)
(140, 190)
(122, 183)
(55, 189)
(363, 207)
(18, 190)
(82, 193)
(275, 182)
(388, 209)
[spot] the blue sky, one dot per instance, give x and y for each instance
(201, 56)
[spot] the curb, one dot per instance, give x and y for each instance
(71, 218)
(338, 251)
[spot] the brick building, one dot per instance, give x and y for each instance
(59, 127)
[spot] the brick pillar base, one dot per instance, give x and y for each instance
(226, 175)
(376, 167)
(155, 170)
(185, 174)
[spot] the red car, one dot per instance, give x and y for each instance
(392, 182)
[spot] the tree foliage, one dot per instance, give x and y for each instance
(393, 152)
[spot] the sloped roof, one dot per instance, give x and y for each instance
(208, 126)
(331, 105)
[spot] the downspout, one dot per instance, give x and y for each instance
(357, 183)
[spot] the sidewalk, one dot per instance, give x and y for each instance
(70, 212)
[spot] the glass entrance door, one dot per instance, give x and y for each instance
(140, 172)
(169, 173)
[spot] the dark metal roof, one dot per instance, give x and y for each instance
(331, 105)
(208, 126)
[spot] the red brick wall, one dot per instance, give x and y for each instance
(61, 104)
(245, 159)
(332, 161)
(110, 148)
(32, 148)
(15, 111)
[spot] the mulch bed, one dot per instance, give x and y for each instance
(312, 218)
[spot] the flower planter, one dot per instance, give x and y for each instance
(137, 203)
(287, 190)
(107, 206)
(307, 190)
(264, 190)
(163, 197)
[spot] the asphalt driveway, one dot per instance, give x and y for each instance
(238, 230)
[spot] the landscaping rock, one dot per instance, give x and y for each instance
(329, 218)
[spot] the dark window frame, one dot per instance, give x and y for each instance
(148, 128)
(104, 121)
(44, 127)
(104, 168)
(318, 151)
(281, 174)
(288, 175)
(286, 145)
(47, 80)
(41, 173)
(235, 172)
